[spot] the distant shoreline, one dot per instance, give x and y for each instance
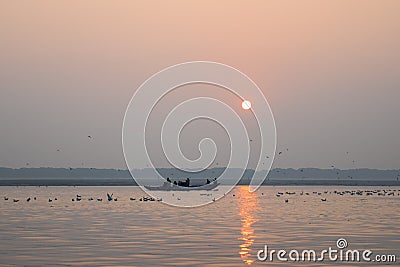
(277, 176)
(131, 182)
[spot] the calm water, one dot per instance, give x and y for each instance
(228, 232)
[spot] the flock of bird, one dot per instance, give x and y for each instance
(278, 153)
(323, 195)
(79, 198)
(377, 192)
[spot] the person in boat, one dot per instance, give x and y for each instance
(185, 183)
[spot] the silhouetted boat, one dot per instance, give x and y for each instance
(172, 187)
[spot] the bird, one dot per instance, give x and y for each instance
(109, 197)
(28, 199)
(323, 199)
(5, 198)
(286, 200)
(15, 200)
(132, 198)
(89, 136)
(280, 152)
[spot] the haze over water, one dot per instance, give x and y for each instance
(330, 71)
(228, 232)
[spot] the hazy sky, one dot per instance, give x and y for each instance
(329, 69)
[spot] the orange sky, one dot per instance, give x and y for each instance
(330, 70)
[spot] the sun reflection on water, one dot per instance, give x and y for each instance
(248, 206)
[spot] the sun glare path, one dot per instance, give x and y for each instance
(248, 205)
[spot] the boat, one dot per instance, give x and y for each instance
(172, 187)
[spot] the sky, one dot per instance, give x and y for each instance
(330, 71)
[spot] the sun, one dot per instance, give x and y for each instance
(246, 104)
